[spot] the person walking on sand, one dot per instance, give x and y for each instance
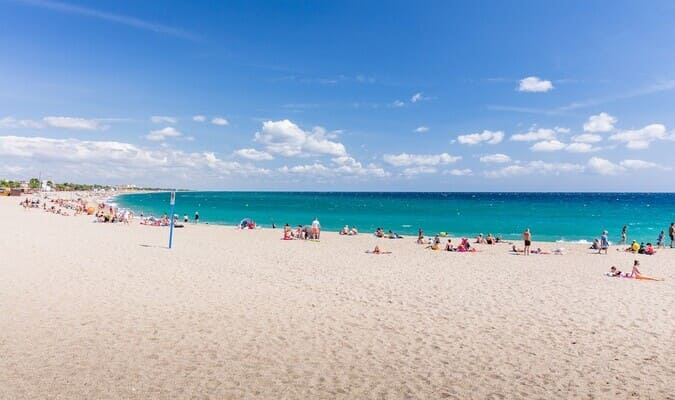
(671, 232)
(604, 243)
(623, 234)
(527, 238)
(196, 217)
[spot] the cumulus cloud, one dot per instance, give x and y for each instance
(343, 166)
(422, 129)
(11, 122)
(289, 140)
(587, 138)
(220, 121)
(406, 160)
(160, 119)
(534, 167)
(495, 158)
(110, 159)
(421, 169)
(489, 137)
(253, 154)
(641, 138)
(534, 135)
(161, 134)
(580, 148)
(602, 166)
(458, 172)
(548, 145)
(602, 122)
(74, 123)
(199, 118)
(640, 164)
(534, 84)
(416, 97)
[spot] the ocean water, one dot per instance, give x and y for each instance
(550, 216)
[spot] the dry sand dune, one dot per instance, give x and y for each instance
(94, 311)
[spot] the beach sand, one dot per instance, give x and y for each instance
(106, 311)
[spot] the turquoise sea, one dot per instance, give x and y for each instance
(550, 216)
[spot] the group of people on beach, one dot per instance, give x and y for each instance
(306, 232)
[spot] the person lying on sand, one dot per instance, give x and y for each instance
(377, 250)
(614, 272)
(538, 250)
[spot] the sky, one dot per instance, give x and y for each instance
(340, 95)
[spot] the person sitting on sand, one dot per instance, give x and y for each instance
(448, 246)
(635, 272)
(379, 232)
(353, 231)
(490, 239)
(649, 249)
(479, 239)
(514, 249)
(595, 245)
(345, 230)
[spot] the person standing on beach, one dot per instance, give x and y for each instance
(316, 229)
(196, 217)
(623, 234)
(604, 243)
(671, 232)
(527, 238)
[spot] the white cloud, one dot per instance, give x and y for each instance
(220, 121)
(587, 138)
(580, 148)
(534, 84)
(349, 166)
(162, 134)
(422, 129)
(602, 166)
(160, 119)
(640, 138)
(559, 129)
(253, 154)
(343, 166)
(398, 103)
(495, 158)
(486, 136)
(109, 159)
(548, 145)
(74, 123)
(602, 122)
(199, 118)
(421, 169)
(511, 170)
(11, 122)
(531, 136)
(286, 138)
(639, 164)
(458, 172)
(416, 97)
(406, 160)
(534, 167)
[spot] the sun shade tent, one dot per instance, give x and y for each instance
(246, 223)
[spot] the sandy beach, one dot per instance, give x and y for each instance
(106, 311)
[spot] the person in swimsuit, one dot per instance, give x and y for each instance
(614, 272)
(604, 243)
(527, 239)
(623, 234)
(635, 273)
(671, 232)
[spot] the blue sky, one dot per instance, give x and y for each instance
(438, 96)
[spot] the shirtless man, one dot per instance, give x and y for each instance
(527, 238)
